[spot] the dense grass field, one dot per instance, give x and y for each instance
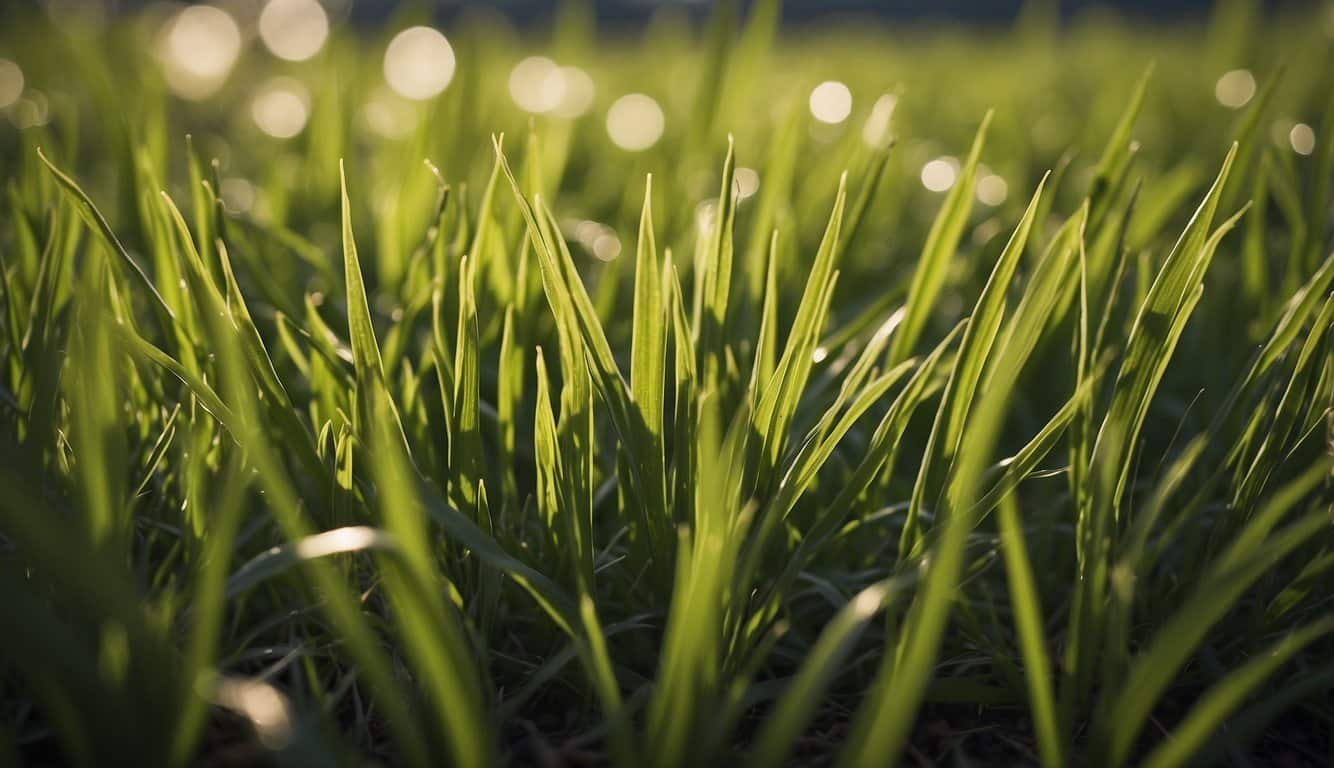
(709, 393)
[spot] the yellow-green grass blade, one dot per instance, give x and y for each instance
(979, 335)
(88, 211)
(882, 723)
(432, 630)
(781, 393)
(938, 251)
(648, 362)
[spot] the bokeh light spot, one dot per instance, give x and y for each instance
(281, 107)
(1235, 88)
(635, 122)
(537, 85)
(940, 174)
(294, 30)
(579, 92)
(991, 190)
(419, 63)
(11, 83)
(606, 246)
(747, 182)
(238, 195)
(32, 110)
(388, 115)
(1302, 139)
(198, 49)
(831, 102)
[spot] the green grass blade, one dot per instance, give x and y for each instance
(1252, 554)
(648, 357)
(938, 251)
(978, 339)
(1029, 627)
(1224, 697)
(97, 222)
(361, 332)
(822, 664)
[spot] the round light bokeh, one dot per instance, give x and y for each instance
(198, 48)
(11, 82)
(747, 182)
(419, 63)
(537, 85)
(940, 174)
(1302, 139)
(991, 190)
(579, 93)
(635, 122)
(281, 107)
(293, 30)
(238, 195)
(831, 102)
(540, 86)
(1234, 89)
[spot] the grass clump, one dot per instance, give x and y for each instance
(544, 452)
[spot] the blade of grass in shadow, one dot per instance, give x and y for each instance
(1247, 727)
(284, 503)
(1226, 695)
(1027, 608)
(821, 666)
(465, 445)
(1253, 552)
(207, 608)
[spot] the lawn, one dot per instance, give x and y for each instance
(717, 391)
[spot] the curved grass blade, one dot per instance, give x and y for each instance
(822, 664)
(938, 252)
(1208, 714)
(97, 222)
(978, 340)
(1252, 553)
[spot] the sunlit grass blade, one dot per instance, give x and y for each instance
(938, 251)
(974, 349)
(465, 445)
(778, 402)
(885, 718)
(98, 223)
(648, 360)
